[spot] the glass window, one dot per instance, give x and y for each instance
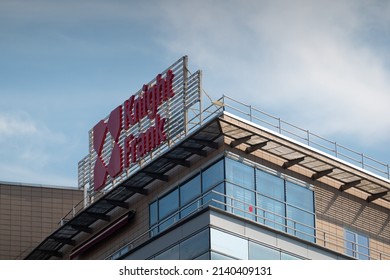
(190, 190)
(260, 252)
(216, 256)
(363, 250)
(189, 208)
(214, 197)
(242, 201)
(285, 256)
(170, 254)
(153, 213)
(300, 223)
(195, 246)
(168, 204)
(212, 176)
(240, 174)
(271, 212)
(270, 185)
(205, 256)
(228, 244)
(357, 245)
(276, 202)
(168, 222)
(153, 218)
(299, 196)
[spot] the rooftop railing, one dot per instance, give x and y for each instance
(299, 134)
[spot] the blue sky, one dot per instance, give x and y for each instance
(323, 65)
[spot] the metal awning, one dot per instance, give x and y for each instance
(196, 144)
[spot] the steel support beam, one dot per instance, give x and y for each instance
(118, 203)
(67, 241)
(198, 152)
(255, 147)
(156, 175)
(210, 144)
(51, 253)
(137, 190)
(292, 162)
(349, 185)
(322, 173)
(376, 196)
(239, 141)
(178, 161)
(99, 216)
(82, 228)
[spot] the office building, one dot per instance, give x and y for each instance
(169, 177)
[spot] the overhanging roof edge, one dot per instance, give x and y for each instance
(322, 153)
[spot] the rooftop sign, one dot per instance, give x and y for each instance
(140, 127)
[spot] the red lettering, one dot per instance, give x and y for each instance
(169, 84)
(149, 135)
(160, 132)
(134, 110)
(141, 145)
(129, 117)
(128, 152)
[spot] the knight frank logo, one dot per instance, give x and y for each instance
(121, 119)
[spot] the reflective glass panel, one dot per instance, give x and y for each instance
(357, 245)
(170, 254)
(190, 208)
(240, 174)
(195, 246)
(190, 190)
(285, 256)
(241, 201)
(168, 204)
(205, 256)
(364, 253)
(153, 213)
(168, 222)
(260, 252)
(300, 223)
(213, 175)
(271, 212)
(299, 196)
(216, 256)
(350, 243)
(214, 198)
(229, 244)
(269, 185)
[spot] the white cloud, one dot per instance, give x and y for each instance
(321, 64)
(16, 124)
(305, 59)
(31, 151)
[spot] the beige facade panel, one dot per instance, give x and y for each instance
(30, 213)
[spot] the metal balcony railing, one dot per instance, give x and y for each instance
(227, 203)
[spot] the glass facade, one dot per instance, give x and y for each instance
(194, 247)
(205, 188)
(213, 244)
(244, 190)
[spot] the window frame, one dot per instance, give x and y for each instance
(354, 251)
